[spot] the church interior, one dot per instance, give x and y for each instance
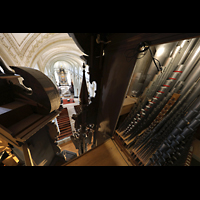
(100, 99)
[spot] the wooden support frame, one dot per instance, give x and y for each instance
(106, 154)
(120, 143)
(27, 155)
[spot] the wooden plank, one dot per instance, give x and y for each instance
(27, 156)
(127, 105)
(6, 135)
(23, 124)
(106, 154)
(25, 134)
(11, 110)
(130, 40)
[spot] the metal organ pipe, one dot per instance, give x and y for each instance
(180, 132)
(181, 105)
(147, 94)
(186, 47)
(164, 141)
(190, 85)
(193, 76)
(148, 143)
(140, 107)
(162, 52)
(191, 60)
(170, 64)
(164, 88)
(140, 72)
(187, 50)
(158, 96)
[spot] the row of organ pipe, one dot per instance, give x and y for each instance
(160, 127)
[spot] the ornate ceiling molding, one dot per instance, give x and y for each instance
(33, 48)
(20, 37)
(54, 47)
(43, 49)
(20, 52)
(7, 48)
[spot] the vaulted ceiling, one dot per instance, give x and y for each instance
(43, 49)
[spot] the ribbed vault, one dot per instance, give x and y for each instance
(41, 51)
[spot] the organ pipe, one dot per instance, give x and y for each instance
(159, 129)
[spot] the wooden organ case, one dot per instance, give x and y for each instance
(29, 102)
(161, 124)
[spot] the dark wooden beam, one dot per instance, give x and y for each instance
(130, 40)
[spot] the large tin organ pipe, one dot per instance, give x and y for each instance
(164, 141)
(164, 88)
(177, 137)
(173, 59)
(158, 95)
(190, 62)
(150, 140)
(191, 78)
(140, 72)
(155, 112)
(162, 52)
(188, 87)
(147, 94)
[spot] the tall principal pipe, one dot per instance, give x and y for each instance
(188, 65)
(162, 52)
(140, 73)
(168, 62)
(191, 60)
(194, 75)
(191, 116)
(145, 146)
